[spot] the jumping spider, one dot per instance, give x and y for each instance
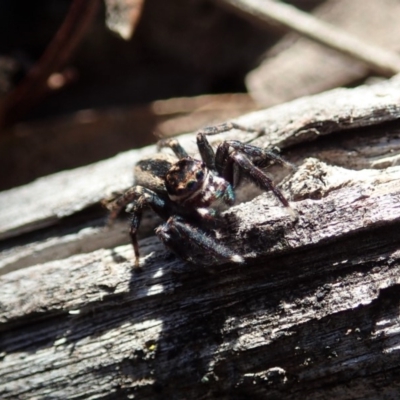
(189, 194)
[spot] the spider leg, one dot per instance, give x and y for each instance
(141, 198)
(206, 150)
(227, 126)
(258, 153)
(194, 245)
(174, 145)
(129, 196)
(135, 223)
(257, 174)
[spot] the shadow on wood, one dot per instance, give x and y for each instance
(312, 314)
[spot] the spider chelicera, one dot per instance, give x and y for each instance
(189, 194)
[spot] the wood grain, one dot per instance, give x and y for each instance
(312, 313)
(49, 199)
(315, 297)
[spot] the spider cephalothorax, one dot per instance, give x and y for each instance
(191, 184)
(189, 193)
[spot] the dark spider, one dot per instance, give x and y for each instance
(189, 194)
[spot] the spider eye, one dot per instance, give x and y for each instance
(200, 174)
(191, 184)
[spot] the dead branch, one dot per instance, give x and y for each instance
(314, 312)
(34, 85)
(48, 200)
(296, 67)
(381, 61)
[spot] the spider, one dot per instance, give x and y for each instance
(189, 194)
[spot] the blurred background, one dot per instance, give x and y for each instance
(82, 80)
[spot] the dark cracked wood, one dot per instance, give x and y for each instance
(312, 314)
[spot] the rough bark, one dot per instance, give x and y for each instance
(49, 199)
(312, 314)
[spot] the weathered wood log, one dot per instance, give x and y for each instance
(311, 314)
(50, 201)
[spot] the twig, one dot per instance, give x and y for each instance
(381, 61)
(34, 86)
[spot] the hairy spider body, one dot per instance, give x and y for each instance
(191, 184)
(189, 194)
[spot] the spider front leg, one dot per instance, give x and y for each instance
(228, 162)
(174, 145)
(193, 244)
(205, 148)
(254, 152)
(257, 175)
(141, 198)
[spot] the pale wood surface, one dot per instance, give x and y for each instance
(311, 302)
(48, 199)
(312, 314)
